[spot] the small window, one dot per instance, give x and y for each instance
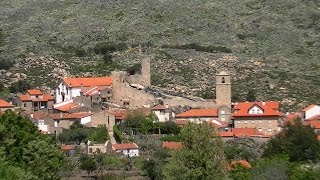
(108, 120)
(162, 112)
(269, 129)
(41, 122)
(246, 122)
(253, 122)
(59, 91)
(260, 121)
(97, 98)
(67, 90)
(260, 129)
(269, 121)
(36, 96)
(239, 122)
(24, 104)
(223, 80)
(223, 112)
(108, 92)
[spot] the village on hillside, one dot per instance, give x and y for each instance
(116, 104)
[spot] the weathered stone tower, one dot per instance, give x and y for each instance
(145, 72)
(118, 85)
(223, 89)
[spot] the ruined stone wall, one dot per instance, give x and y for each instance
(125, 95)
(179, 101)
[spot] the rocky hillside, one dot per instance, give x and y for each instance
(270, 46)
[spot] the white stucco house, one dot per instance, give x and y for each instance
(163, 113)
(311, 112)
(72, 87)
(129, 149)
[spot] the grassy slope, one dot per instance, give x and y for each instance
(284, 34)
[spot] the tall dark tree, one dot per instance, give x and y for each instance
(296, 140)
(251, 95)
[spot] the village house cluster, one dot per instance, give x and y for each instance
(94, 101)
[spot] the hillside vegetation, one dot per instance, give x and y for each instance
(271, 46)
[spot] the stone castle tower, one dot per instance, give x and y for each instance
(145, 72)
(223, 89)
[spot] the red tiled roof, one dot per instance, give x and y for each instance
(217, 123)
(120, 115)
(88, 82)
(124, 146)
(36, 114)
(5, 104)
(159, 107)
(26, 97)
(315, 124)
(34, 92)
(268, 108)
(225, 134)
(68, 107)
(181, 122)
(71, 116)
(67, 147)
(199, 113)
(240, 132)
(172, 145)
(90, 91)
(309, 107)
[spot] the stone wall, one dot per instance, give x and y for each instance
(263, 123)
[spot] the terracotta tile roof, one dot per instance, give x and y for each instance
(309, 107)
(67, 147)
(171, 145)
(269, 109)
(5, 104)
(181, 122)
(90, 91)
(199, 113)
(159, 107)
(36, 114)
(225, 134)
(26, 97)
(315, 124)
(70, 116)
(240, 132)
(68, 107)
(88, 82)
(34, 92)
(120, 115)
(217, 123)
(124, 146)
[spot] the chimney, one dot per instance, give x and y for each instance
(263, 103)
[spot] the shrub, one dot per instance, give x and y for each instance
(117, 134)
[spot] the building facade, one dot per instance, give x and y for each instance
(263, 116)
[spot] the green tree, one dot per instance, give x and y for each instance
(298, 141)
(20, 86)
(88, 164)
(251, 95)
(24, 149)
(202, 155)
(154, 166)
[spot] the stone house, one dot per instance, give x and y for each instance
(311, 112)
(4, 105)
(65, 120)
(42, 120)
(69, 88)
(163, 113)
(104, 117)
(34, 100)
(263, 116)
